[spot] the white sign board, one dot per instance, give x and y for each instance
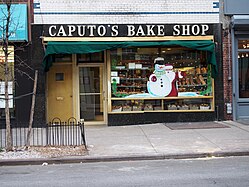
(2, 101)
(2, 88)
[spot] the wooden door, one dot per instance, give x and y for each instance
(59, 93)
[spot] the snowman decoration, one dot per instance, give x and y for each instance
(162, 82)
(159, 84)
(173, 78)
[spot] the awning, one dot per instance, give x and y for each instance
(92, 47)
(240, 22)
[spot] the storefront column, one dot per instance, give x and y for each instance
(227, 77)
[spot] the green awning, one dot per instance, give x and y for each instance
(92, 47)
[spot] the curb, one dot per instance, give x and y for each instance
(16, 162)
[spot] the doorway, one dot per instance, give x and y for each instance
(92, 107)
(59, 94)
(242, 79)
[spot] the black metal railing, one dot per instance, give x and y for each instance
(55, 133)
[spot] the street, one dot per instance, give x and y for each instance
(232, 171)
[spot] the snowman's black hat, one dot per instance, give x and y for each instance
(159, 60)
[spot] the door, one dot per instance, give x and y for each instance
(91, 94)
(59, 92)
(242, 80)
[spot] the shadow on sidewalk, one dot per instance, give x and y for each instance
(195, 125)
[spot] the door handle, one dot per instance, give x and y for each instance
(103, 95)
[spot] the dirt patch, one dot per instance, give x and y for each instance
(59, 151)
(44, 152)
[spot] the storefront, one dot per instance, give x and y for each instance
(239, 38)
(130, 74)
(17, 76)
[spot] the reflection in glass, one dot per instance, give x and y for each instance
(89, 80)
(90, 108)
(62, 58)
(243, 44)
(243, 61)
(91, 97)
(90, 57)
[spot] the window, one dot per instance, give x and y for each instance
(59, 76)
(10, 83)
(62, 58)
(162, 79)
(243, 60)
(90, 57)
(243, 44)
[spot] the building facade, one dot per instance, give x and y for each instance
(128, 62)
(235, 21)
(19, 60)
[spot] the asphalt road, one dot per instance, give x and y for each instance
(233, 171)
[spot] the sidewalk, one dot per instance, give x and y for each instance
(156, 141)
(159, 140)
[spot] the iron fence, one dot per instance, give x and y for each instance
(55, 133)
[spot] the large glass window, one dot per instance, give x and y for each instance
(160, 78)
(243, 60)
(10, 82)
(91, 93)
(243, 44)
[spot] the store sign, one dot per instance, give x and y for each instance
(18, 25)
(129, 30)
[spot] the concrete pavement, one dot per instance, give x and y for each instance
(156, 141)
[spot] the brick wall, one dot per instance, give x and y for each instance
(125, 11)
(227, 71)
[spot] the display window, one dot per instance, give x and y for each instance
(160, 79)
(11, 84)
(243, 70)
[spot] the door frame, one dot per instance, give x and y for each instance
(236, 99)
(77, 94)
(58, 64)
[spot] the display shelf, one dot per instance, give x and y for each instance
(133, 78)
(156, 111)
(126, 112)
(164, 98)
(138, 86)
(190, 85)
(170, 104)
(127, 69)
(210, 110)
